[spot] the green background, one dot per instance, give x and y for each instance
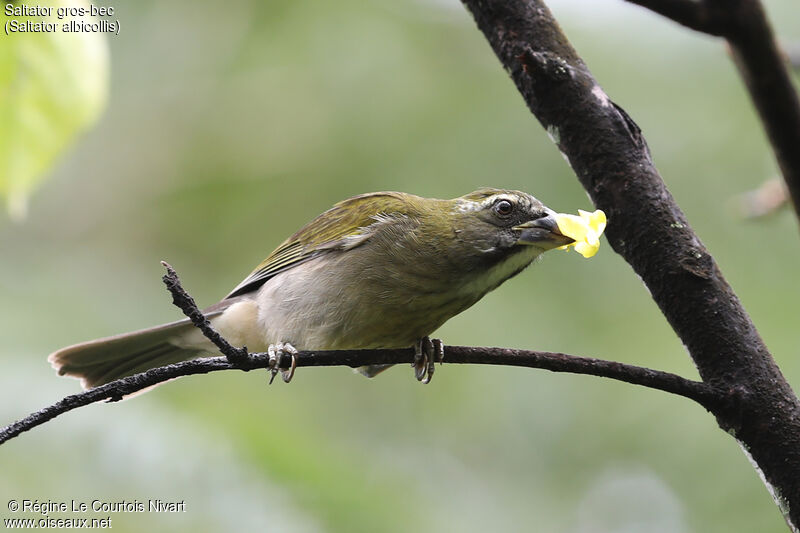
(229, 125)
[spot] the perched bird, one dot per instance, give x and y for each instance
(379, 270)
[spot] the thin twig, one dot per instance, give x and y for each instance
(182, 299)
(703, 394)
(790, 49)
(703, 16)
(762, 65)
(766, 199)
(556, 362)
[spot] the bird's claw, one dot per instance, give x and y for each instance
(275, 352)
(428, 352)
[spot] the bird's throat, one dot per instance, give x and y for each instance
(493, 275)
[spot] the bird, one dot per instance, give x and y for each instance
(378, 270)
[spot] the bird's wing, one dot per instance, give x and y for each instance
(342, 227)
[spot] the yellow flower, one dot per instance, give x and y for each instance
(585, 228)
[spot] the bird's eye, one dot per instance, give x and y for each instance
(503, 208)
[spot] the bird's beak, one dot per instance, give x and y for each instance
(542, 232)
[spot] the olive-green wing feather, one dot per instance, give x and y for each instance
(342, 227)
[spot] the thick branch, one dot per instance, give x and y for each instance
(610, 157)
(557, 362)
(744, 24)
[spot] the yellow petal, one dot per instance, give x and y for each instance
(596, 220)
(587, 250)
(585, 229)
(572, 226)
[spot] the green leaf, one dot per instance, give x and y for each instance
(53, 85)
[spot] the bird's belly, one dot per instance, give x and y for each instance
(311, 310)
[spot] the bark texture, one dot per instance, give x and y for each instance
(609, 155)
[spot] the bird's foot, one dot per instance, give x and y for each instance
(275, 352)
(428, 352)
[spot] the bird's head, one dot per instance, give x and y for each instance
(498, 223)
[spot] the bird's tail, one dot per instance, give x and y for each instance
(371, 371)
(100, 361)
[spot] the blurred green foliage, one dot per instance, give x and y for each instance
(53, 85)
(230, 125)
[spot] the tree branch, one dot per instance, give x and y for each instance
(707, 17)
(240, 359)
(182, 300)
(744, 24)
(646, 227)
